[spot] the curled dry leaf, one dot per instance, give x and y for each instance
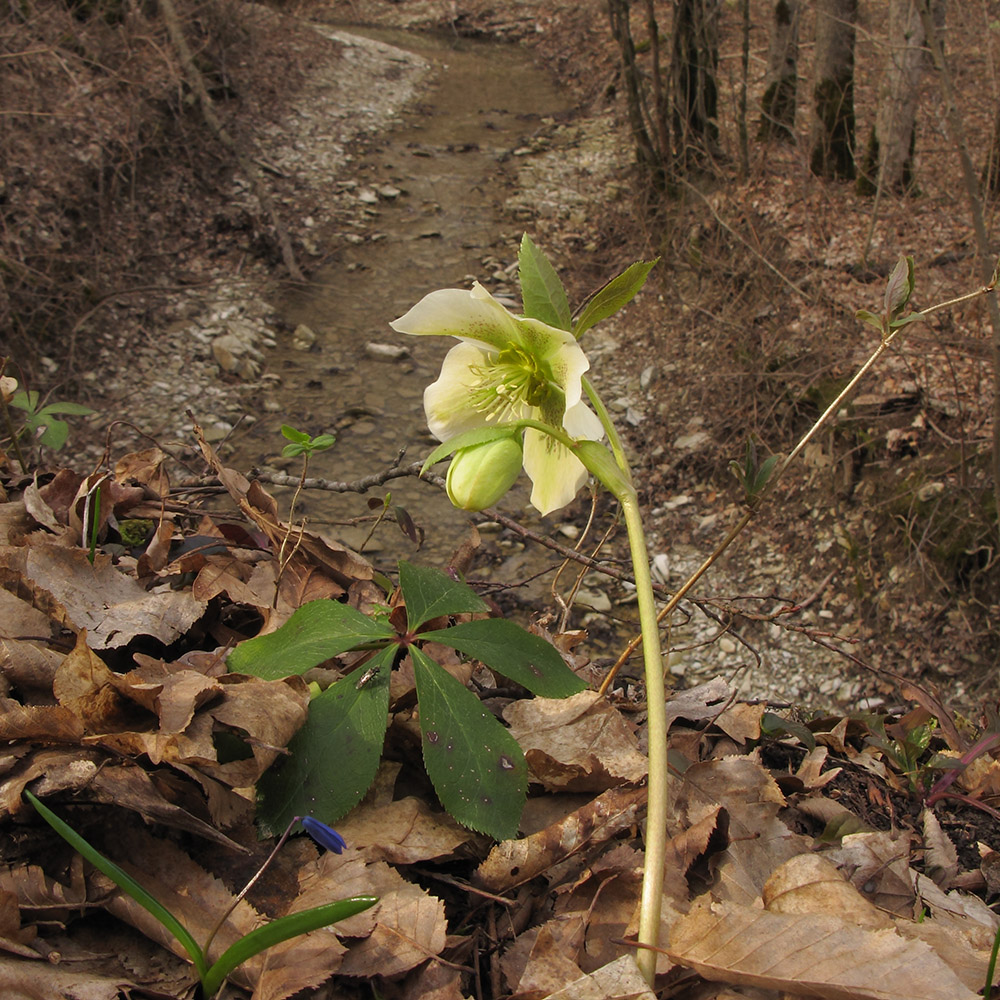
(578, 744)
(810, 883)
(515, 861)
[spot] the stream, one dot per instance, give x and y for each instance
(434, 189)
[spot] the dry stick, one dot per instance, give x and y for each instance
(197, 84)
(972, 192)
(887, 339)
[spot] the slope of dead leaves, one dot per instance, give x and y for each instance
(792, 871)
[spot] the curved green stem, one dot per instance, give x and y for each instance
(656, 809)
(609, 428)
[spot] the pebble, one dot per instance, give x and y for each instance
(387, 352)
(303, 338)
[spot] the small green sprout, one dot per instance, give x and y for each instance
(303, 443)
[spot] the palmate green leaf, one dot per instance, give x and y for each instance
(608, 299)
(429, 592)
(542, 291)
(507, 648)
(477, 767)
(281, 930)
(124, 881)
(333, 758)
(314, 633)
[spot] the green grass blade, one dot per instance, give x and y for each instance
(281, 930)
(125, 882)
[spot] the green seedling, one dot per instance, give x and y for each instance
(303, 443)
(41, 422)
(213, 975)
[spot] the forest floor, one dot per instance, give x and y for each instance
(871, 581)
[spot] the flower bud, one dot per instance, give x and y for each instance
(481, 475)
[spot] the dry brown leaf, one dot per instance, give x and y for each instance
(618, 980)
(313, 551)
(542, 959)
(759, 840)
(512, 862)
(410, 927)
(609, 894)
(112, 607)
(741, 722)
(21, 980)
(878, 864)
(433, 981)
(402, 832)
(30, 668)
(816, 955)
(704, 701)
(940, 855)
(579, 744)
(810, 883)
(43, 897)
(13, 937)
(147, 467)
(51, 723)
(19, 619)
(810, 772)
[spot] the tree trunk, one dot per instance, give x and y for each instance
(646, 153)
(833, 90)
(777, 106)
(694, 64)
(893, 139)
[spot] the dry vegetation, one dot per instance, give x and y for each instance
(110, 181)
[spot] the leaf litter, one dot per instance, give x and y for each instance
(799, 863)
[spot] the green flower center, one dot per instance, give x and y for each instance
(510, 382)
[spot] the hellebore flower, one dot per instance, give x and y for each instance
(324, 835)
(507, 368)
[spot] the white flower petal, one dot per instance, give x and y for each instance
(452, 312)
(581, 422)
(555, 473)
(446, 401)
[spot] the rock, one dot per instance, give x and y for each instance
(228, 350)
(389, 192)
(692, 442)
(727, 645)
(367, 196)
(303, 338)
(386, 352)
(217, 430)
(597, 600)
